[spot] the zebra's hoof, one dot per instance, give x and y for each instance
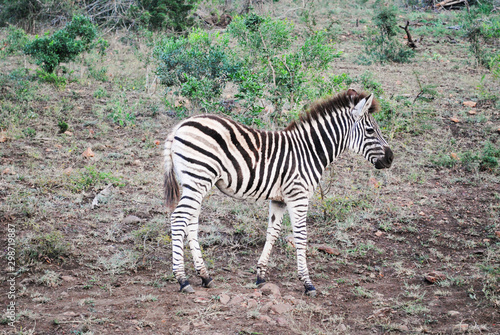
(310, 290)
(207, 282)
(311, 293)
(187, 289)
(260, 281)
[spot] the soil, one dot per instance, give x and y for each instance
(387, 230)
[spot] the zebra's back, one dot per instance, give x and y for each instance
(241, 161)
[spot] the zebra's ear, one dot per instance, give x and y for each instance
(362, 107)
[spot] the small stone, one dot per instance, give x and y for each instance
(136, 162)
(472, 112)
(224, 299)
(470, 104)
(461, 327)
(266, 307)
(497, 233)
(251, 303)
(327, 249)
(403, 328)
(270, 288)
(342, 328)
(434, 276)
(67, 171)
(281, 308)
(453, 313)
(68, 278)
(282, 322)
(237, 300)
(454, 119)
(379, 233)
(88, 153)
(131, 219)
(290, 240)
(256, 294)
(70, 313)
(265, 318)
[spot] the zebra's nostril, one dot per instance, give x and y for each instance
(389, 156)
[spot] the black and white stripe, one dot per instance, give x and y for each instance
(283, 166)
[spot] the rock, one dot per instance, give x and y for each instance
(136, 162)
(67, 171)
(461, 327)
(327, 249)
(434, 276)
(70, 313)
(379, 233)
(497, 233)
(453, 313)
(290, 240)
(224, 299)
(282, 322)
(131, 219)
(256, 294)
(88, 153)
(270, 288)
(403, 328)
(251, 303)
(281, 308)
(68, 278)
(342, 328)
(266, 307)
(470, 104)
(265, 318)
(237, 300)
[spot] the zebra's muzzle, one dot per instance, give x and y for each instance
(386, 161)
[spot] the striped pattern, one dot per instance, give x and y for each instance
(284, 167)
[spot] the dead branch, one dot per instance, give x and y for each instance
(410, 42)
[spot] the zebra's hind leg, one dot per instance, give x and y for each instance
(276, 211)
(199, 264)
(298, 213)
(184, 221)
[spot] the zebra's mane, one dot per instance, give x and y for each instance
(338, 102)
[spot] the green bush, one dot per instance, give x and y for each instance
(173, 14)
(64, 45)
(198, 66)
(482, 31)
(382, 44)
(15, 41)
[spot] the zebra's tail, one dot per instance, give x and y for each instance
(170, 185)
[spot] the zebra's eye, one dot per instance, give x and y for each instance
(370, 131)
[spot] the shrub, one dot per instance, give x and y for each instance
(173, 14)
(198, 66)
(64, 45)
(481, 31)
(382, 45)
(284, 61)
(15, 41)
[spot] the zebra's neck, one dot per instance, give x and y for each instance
(322, 138)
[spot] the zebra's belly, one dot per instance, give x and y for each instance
(274, 194)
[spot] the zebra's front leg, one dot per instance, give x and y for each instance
(298, 214)
(276, 211)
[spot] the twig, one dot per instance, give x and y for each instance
(410, 42)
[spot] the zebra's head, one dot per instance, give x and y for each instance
(365, 137)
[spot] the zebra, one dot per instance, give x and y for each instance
(283, 166)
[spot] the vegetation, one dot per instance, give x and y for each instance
(64, 45)
(383, 45)
(374, 235)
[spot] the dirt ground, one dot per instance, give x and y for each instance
(373, 240)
